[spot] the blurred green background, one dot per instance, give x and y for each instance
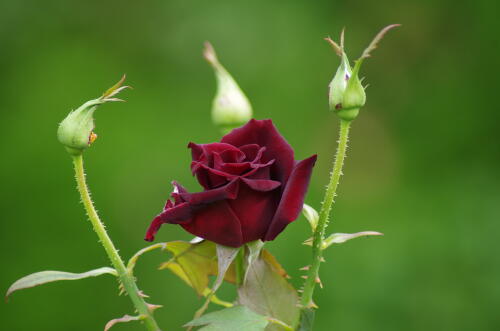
(422, 165)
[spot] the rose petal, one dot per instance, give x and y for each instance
(250, 151)
(292, 199)
(218, 223)
(229, 191)
(176, 214)
(235, 168)
(232, 156)
(255, 210)
(209, 177)
(206, 150)
(262, 185)
(176, 194)
(173, 214)
(153, 229)
(264, 133)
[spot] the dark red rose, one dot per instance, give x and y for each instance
(253, 188)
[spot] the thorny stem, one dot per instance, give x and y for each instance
(126, 278)
(319, 233)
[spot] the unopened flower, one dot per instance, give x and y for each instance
(253, 188)
(346, 93)
(230, 107)
(76, 131)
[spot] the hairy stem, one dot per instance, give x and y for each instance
(319, 234)
(126, 278)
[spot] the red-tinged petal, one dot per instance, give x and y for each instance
(250, 151)
(153, 229)
(235, 168)
(171, 214)
(264, 133)
(176, 214)
(262, 185)
(255, 211)
(206, 150)
(216, 222)
(232, 156)
(292, 199)
(229, 191)
(176, 195)
(260, 171)
(168, 204)
(209, 177)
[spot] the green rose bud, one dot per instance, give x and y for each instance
(354, 96)
(346, 93)
(339, 83)
(230, 107)
(75, 132)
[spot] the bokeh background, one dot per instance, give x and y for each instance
(422, 165)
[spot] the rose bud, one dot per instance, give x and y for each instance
(75, 132)
(252, 188)
(346, 94)
(230, 107)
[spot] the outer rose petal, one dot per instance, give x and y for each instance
(189, 205)
(264, 133)
(153, 229)
(292, 199)
(229, 191)
(255, 210)
(216, 222)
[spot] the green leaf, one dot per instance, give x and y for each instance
(225, 256)
(236, 318)
(44, 277)
(306, 320)
(124, 319)
(339, 238)
(254, 249)
(267, 292)
(311, 215)
(194, 263)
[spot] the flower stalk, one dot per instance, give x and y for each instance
(125, 276)
(319, 233)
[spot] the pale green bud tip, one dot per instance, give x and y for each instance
(346, 94)
(75, 132)
(230, 107)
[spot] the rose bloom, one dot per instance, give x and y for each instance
(253, 188)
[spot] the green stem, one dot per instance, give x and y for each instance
(126, 278)
(319, 234)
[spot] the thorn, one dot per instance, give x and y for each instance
(121, 289)
(305, 268)
(322, 259)
(152, 307)
(304, 277)
(142, 295)
(342, 38)
(317, 280)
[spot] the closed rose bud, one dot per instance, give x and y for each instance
(230, 107)
(354, 96)
(253, 188)
(75, 132)
(346, 93)
(339, 83)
